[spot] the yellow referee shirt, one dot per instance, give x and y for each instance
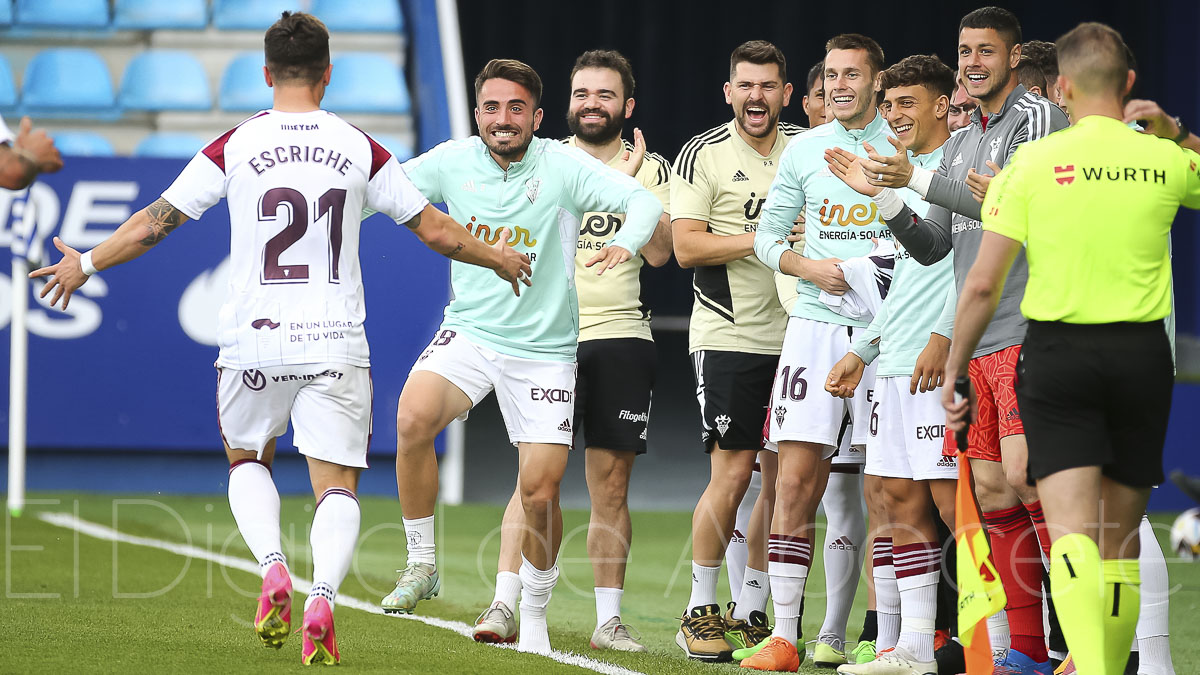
(1094, 205)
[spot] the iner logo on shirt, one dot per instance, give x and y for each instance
(490, 235)
(857, 214)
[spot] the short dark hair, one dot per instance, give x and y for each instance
(998, 19)
(815, 73)
(513, 71)
(1044, 55)
(610, 59)
(296, 48)
(1094, 57)
(1030, 75)
(925, 70)
(758, 52)
(856, 41)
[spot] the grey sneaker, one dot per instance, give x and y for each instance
(615, 635)
(417, 582)
(496, 625)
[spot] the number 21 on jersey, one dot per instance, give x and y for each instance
(296, 211)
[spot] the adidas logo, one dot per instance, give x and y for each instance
(565, 426)
(753, 583)
(642, 435)
(843, 543)
(469, 186)
(945, 461)
(739, 176)
(957, 160)
(738, 537)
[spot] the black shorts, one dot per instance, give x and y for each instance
(734, 389)
(612, 392)
(1096, 395)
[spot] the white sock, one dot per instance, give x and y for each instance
(334, 537)
(508, 589)
(998, 633)
(608, 604)
(737, 553)
(704, 585)
(1153, 627)
(421, 548)
(756, 588)
(789, 559)
(254, 502)
(845, 533)
(917, 568)
(536, 588)
(887, 594)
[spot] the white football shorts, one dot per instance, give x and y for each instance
(801, 408)
(537, 398)
(329, 405)
(911, 429)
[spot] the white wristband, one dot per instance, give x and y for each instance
(889, 202)
(920, 181)
(85, 262)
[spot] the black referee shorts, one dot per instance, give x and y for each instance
(734, 389)
(1096, 395)
(612, 392)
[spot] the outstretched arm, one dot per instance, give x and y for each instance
(443, 234)
(134, 237)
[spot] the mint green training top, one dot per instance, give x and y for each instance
(840, 222)
(541, 200)
(920, 301)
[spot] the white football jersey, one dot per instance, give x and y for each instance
(297, 185)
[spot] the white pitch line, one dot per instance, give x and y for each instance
(98, 531)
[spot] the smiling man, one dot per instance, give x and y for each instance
(523, 347)
(910, 339)
(840, 224)
(612, 404)
(989, 49)
(718, 189)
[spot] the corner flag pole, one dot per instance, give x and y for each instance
(454, 461)
(18, 374)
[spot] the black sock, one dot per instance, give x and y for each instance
(947, 592)
(870, 629)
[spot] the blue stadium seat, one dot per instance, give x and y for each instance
(82, 144)
(250, 14)
(242, 85)
(171, 145)
(366, 83)
(6, 17)
(360, 15)
(400, 150)
(151, 14)
(8, 88)
(164, 80)
(68, 82)
(62, 13)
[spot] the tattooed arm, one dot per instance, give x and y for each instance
(443, 234)
(134, 237)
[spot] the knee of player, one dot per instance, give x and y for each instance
(1017, 480)
(611, 492)
(413, 428)
(539, 495)
(792, 487)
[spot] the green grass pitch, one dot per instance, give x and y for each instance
(80, 604)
